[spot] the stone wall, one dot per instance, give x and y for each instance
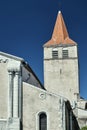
(61, 75)
(3, 124)
(35, 101)
(3, 91)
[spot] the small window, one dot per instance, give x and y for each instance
(42, 121)
(86, 106)
(55, 54)
(65, 54)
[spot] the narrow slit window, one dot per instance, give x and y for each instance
(65, 54)
(42, 121)
(86, 106)
(54, 54)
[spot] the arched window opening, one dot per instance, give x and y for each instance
(42, 121)
(86, 106)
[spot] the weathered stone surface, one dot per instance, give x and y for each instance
(33, 105)
(61, 75)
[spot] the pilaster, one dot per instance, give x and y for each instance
(16, 95)
(10, 94)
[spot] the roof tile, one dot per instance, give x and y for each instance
(60, 34)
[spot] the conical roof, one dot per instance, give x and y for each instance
(60, 34)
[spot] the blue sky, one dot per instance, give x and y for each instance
(26, 25)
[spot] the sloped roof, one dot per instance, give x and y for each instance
(60, 34)
(11, 56)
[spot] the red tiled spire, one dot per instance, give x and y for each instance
(60, 33)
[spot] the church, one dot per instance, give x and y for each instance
(25, 104)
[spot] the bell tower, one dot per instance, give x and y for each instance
(61, 74)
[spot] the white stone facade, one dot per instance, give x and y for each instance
(44, 102)
(62, 72)
(22, 101)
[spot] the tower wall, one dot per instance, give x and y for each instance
(61, 74)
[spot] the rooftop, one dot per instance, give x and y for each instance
(60, 34)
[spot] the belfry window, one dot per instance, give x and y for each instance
(54, 53)
(42, 121)
(65, 53)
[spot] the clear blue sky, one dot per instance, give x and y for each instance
(25, 25)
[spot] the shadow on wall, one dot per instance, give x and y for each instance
(71, 121)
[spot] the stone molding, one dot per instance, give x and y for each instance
(3, 60)
(14, 66)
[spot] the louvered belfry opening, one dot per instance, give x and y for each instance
(43, 121)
